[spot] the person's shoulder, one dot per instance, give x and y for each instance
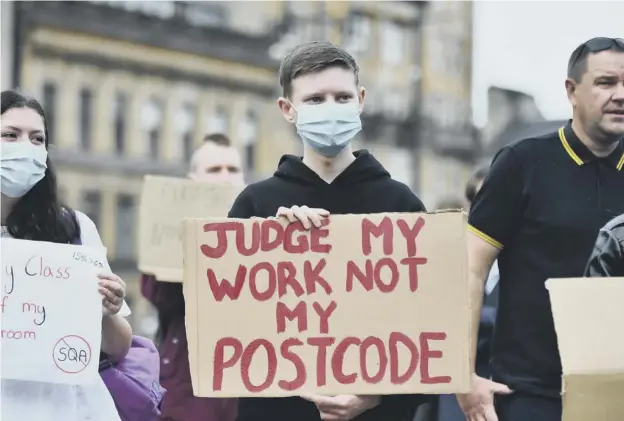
(528, 147)
(258, 189)
(397, 187)
(616, 227)
(252, 200)
(84, 221)
(261, 186)
(401, 194)
(89, 234)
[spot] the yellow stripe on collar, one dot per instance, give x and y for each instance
(568, 148)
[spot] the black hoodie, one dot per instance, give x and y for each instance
(363, 187)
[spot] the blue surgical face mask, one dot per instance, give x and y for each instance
(329, 127)
(23, 166)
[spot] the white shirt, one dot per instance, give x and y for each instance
(493, 278)
(34, 401)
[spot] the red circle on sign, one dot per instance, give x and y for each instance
(71, 342)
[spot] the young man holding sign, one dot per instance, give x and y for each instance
(323, 98)
(216, 161)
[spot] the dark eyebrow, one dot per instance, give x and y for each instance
(17, 129)
(605, 78)
(322, 94)
(313, 95)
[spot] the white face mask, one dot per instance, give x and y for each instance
(328, 128)
(23, 166)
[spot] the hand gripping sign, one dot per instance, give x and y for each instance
(365, 304)
(51, 311)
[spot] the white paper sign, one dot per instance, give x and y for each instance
(51, 311)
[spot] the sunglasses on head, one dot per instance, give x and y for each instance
(596, 45)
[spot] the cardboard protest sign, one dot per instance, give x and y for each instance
(366, 304)
(51, 311)
(589, 319)
(165, 202)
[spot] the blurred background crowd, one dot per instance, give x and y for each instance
(131, 88)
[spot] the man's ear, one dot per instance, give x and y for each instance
(571, 89)
(288, 111)
(361, 98)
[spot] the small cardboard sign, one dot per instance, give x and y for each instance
(165, 202)
(589, 319)
(51, 311)
(365, 304)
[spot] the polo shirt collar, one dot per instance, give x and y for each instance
(581, 154)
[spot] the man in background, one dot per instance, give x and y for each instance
(216, 161)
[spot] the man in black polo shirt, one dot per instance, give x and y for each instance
(539, 212)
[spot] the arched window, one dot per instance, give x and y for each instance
(219, 122)
(49, 106)
(85, 118)
(251, 132)
(185, 127)
(125, 227)
(152, 120)
(120, 111)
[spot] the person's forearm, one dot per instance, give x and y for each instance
(481, 257)
(116, 337)
(167, 297)
(477, 286)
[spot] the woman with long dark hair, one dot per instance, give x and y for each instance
(31, 211)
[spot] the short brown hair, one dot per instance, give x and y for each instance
(314, 57)
(577, 64)
(218, 139)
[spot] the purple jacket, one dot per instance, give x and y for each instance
(179, 404)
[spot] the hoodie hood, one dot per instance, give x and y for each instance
(365, 168)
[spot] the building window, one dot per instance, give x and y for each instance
(85, 118)
(455, 60)
(206, 14)
(120, 111)
(152, 119)
(49, 106)
(393, 42)
(446, 111)
(92, 205)
(185, 126)
(396, 104)
(161, 9)
(219, 121)
(251, 133)
(357, 34)
(124, 233)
